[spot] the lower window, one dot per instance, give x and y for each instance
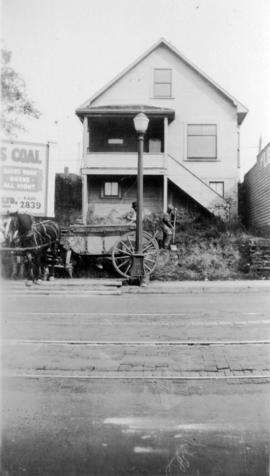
(218, 187)
(110, 189)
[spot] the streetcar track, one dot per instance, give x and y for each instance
(224, 370)
(165, 320)
(134, 343)
(203, 323)
(133, 314)
(261, 377)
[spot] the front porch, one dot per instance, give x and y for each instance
(111, 163)
(110, 139)
(110, 145)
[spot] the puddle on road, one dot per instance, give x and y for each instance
(149, 449)
(195, 449)
(136, 424)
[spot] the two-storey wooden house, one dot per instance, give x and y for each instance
(191, 147)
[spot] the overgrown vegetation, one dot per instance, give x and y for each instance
(207, 249)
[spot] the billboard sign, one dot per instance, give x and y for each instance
(24, 172)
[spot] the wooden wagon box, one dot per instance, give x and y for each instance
(115, 241)
(93, 240)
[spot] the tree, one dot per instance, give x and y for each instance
(15, 104)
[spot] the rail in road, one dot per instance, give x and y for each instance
(131, 360)
(123, 392)
(136, 327)
(236, 347)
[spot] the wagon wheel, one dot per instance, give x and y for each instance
(124, 249)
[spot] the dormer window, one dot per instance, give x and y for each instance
(162, 83)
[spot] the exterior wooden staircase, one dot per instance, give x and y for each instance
(196, 188)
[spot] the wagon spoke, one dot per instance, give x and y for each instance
(123, 263)
(122, 251)
(126, 246)
(128, 268)
(145, 265)
(123, 255)
(150, 254)
(131, 245)
(149, 245)
(148, 259)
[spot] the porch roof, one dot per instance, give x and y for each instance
(125, 110)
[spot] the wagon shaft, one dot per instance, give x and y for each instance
(21, 250)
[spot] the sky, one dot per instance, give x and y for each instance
(66, 50)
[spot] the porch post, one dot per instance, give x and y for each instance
(84, 176)
(85, 139)
(165, 165)
(84, 198)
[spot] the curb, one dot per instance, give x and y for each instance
(95, 286)
(195, 287)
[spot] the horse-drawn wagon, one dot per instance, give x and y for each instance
(44, 242)
(116, 242)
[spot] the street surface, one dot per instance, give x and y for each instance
(142, 384)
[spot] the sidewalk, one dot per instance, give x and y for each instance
(117, 286)
(181, 287)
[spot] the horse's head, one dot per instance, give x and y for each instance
(10, 229)
(17, 228)
(3, 224)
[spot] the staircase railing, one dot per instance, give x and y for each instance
(206, 196)
(196, 176)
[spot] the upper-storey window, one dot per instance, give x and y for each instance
(202, 141)
(162, 83)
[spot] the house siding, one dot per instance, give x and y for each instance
(153, 197)
(195, 101)
(105, 206)
(257, 193)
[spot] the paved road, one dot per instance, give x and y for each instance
(136, 384)
(170, 360)
(189, 326)
(110, 428)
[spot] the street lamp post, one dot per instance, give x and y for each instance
(140, 123)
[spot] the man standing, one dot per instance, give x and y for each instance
(168, 224)
(131, 216)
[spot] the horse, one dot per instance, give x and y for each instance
(35, 239)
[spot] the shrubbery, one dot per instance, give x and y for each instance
(207, 249)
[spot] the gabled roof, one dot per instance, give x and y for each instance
(241, 109)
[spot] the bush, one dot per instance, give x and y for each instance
(207, 249)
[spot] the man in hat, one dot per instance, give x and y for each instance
(131, 216)
(168, 223)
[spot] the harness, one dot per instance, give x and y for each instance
(18, 249)
(33, 234)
